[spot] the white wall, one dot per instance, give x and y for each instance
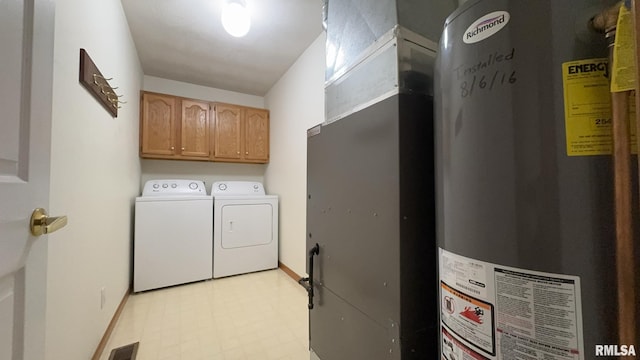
(192, 91)
(209, 172)
(95, 173)
(296, 103)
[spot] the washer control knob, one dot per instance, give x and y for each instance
(164, 186)
(155, 186)
(222, 187)
(173, 186)
(255, 187)
(193, 186)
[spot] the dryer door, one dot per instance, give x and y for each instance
(246, 225)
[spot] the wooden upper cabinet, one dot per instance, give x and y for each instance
(227, 130)
(176, 128)
(241, 134)
(157, 125)
(194, 129)
(256, 140)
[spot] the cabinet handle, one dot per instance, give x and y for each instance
(246, 153)
(173, 148)
(182, 149)
(238, 152)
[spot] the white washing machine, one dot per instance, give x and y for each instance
(173, 233)
(245, 228)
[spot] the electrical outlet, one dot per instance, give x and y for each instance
(103, 297)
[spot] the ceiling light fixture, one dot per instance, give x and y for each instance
(235, 18)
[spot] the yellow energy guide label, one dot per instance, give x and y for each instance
(587, 108)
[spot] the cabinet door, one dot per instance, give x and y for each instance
(256, 142)
(195, 129)
(227, 132)
(158, 124)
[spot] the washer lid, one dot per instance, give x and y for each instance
(174, 198)
(174, 188)
(237, 188)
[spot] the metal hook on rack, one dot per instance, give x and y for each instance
(102, 77)
(114, 99)
(95, 82)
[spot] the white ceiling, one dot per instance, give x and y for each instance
(184, 40)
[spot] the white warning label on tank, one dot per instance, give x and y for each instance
(536, 314)
(521, 314)
(467, 274)
(452, 349)
(468, 317)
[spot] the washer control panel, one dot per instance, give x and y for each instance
(237, 188)
(174, 187)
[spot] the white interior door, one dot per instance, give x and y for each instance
(26, 74)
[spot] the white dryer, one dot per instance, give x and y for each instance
(245, 228)
(173, 234)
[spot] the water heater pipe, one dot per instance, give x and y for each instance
(625, 274)
(635, 9)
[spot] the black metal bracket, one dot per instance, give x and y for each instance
(307, 282)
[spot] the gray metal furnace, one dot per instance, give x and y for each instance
(525, 217)
(370, 207)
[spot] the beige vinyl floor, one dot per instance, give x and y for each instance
(258, 316)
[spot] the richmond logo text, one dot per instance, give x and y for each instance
(485, 25)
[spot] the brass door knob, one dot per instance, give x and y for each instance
(41, 223)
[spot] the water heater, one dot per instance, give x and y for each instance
(525, 199)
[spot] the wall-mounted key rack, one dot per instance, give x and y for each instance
(93, 80)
